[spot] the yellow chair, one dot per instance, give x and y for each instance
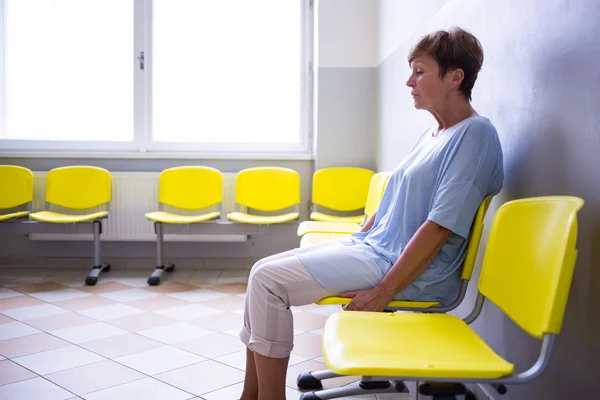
(16, 191)
(313, 232)
(526, 272)
(268, 190)
(187, 188)
(78, 189)
(341, 189)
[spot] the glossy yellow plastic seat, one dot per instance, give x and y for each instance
(527, 271)
(268, 190)
(341, 189)
(16, 190)
(466, 274)
(376, 189)
(191, 188)
(79, 189)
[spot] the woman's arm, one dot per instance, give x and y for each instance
(418, 254)
(369, 224)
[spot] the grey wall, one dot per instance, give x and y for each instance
(539, 86)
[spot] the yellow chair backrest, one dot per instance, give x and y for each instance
(376, 188)
(267, 188)
(475, 239)
(16, 186)
(341, 188)
(529, 261)
(190, 188)
(78, 187)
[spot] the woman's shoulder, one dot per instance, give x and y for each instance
(478, 128)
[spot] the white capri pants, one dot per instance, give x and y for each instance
(275, 284)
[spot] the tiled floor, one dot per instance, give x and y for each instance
(122, 339)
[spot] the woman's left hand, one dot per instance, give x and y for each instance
(375, 299)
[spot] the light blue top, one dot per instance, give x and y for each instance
(444, 179)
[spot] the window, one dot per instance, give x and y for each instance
(156, 76)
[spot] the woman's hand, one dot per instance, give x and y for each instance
(375, 299)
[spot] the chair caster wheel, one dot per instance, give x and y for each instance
(307, 381)
(169, 268)
(91, 280)
(153, 280)
(309, 396)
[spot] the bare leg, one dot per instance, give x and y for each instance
(250, 391)
(271, 377)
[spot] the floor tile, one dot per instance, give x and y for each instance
(56, 360)
(18, 301)
(318, 332)
(60, 321)
(87, 333)
(5, 320)
(204, 277)
(188, 312)
(34, 389)
(31, 312)
(16, 329)
(308, 321)
(157, 303)
(233, 276)
(128, 295)
(122, 345)
(162, 359)
(94, 377)
(110, 312)
(235, 332)
(84, 303)
(59, 295)
(311, 365)
(171, 287)
(30, 344)
(230, 288)
(235, 391)
(143, 389)
(40, 287)
(6, 293)
(308, 345)
(198, 295)
(238, 359)
(228, 303)
(74, 278)
(143, 321)
(105, 287)
(221, 323)
(212, 345)
(326, 310)
(175, 333)
(203, 377)
(11, 372)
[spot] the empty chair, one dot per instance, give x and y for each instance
(78, 190)
(190, 188)
(269, 190)
(340, 189)
(313, 232)
(16, 191)
(527, 271)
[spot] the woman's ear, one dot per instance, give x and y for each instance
(457, 77)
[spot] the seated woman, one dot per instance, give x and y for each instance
(413, 247)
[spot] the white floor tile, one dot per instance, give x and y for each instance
(326, 310)
(235, 360)
(94, 377)
(111, 312)
(60, 295)
(203, 377)
(198, 295)
(294, 359)
(30, 312)
(318, 332)
(188, 312)
(89, 332)
(175, 333)
(144, 389)
(51, 361)
(34, 389)
(16, 329)
(162, 359)
(235, 391)
(6, 293)
(129, 295)
(2, 358)
(235, 332)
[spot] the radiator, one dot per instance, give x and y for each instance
(133, 195)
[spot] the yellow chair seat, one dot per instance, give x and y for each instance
(317, 216)
(327, 227)
(311, 239)
(4, 217)
(59, 218)
(408, 345)
(262, 219)
(169, 218)
(392, 304)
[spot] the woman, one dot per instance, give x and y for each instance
(413, 246)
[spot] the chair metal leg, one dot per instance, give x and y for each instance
(154, 279)
(442, 391)
(356, 389)
(92, 278)
(312, 380)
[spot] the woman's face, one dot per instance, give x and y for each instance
(428, 89)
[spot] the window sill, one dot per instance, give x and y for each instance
(301, 156)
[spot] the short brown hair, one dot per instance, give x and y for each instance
(452, 49)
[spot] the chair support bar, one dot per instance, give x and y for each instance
(476, 309)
